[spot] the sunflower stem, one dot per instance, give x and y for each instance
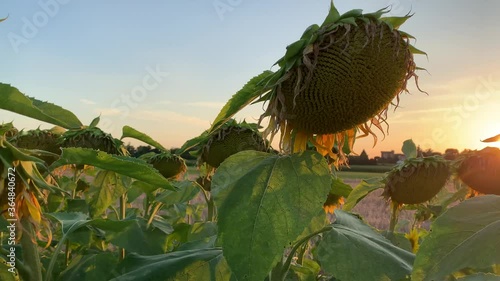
(394, 217)
(123, 214)
(153, 214)
(281, 270)
(31, 256)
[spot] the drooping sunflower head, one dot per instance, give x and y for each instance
(169, 165)
(480, 170)
(91, 137)
(338, 80)
(416, 180)
(47, 140)
(231, 138)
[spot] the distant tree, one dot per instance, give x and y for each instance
(130, 148)
(450, 154)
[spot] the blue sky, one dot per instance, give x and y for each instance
(98, 57)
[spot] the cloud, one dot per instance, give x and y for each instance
(86, 101)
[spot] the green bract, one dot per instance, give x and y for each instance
(91, 137)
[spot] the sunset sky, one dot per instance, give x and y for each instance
(191, 56)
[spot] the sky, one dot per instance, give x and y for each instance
(167, 67)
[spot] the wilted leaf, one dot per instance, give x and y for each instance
(265, 202)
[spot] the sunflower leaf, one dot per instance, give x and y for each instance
(15, 101)
(271, 199)
(352, 244)
(243, 97)
(361, 191)
(128, 166)
(469, 229)
(129, 132)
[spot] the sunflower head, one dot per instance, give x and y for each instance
(416, 180)
(332, 202)
(169, 165)
(47, 140)
(338, 80)
(230, 139)
(480, 170)
(91, 137)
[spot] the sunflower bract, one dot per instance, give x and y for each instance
(93, 138)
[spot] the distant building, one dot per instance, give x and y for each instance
(390, 157)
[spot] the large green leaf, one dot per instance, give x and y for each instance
(104, 190)
(186, 190)
(92, 267)
(194, 265)
(133, 236)
(481, 277)
(465, 236)
(243, 97)
(128, 166)
(15, 101)
(353, 250)
(265, 202)
(361, 191)
(129, 132)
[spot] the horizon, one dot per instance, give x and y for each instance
(189, 58)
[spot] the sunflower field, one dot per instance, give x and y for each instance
(75, 205)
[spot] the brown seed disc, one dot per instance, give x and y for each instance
(358, 72)
(416, 183)
(481, 170)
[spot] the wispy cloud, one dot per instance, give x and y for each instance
(86, 101)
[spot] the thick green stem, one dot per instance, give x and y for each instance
(153, 213)
(284, 267)
(210, 204)
(123, 214)
(31, 256)
(394, 217)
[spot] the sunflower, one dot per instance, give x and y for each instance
(338, 81)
